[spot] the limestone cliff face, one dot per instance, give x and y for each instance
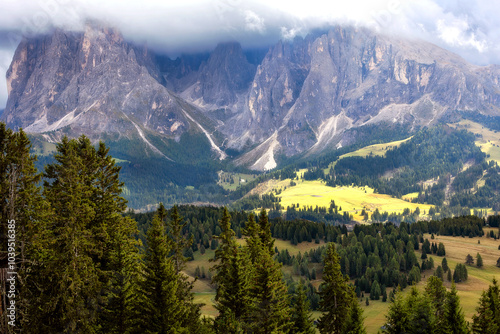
(300, 98)
(305, 94)
(91, 82)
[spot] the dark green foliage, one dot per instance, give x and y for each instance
(479, 260)
(460, 274)
(457, 226)
(232, 279)
(469, 260)
(435, 311)
(21, 201)
(487, 319)
(455, 322)
(302, 322)
(337, 298)
(160, 307)
(429, 154)
(265, 236)
(444, 264)
(92, 255)
(269, 311)
(375, 291)
(441, 250)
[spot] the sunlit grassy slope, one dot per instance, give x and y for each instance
(487, 140)
(376, 149)
(456, 250)
(470, 291)
(350, 199)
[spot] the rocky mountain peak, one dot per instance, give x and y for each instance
(303, 96)
(226, 73)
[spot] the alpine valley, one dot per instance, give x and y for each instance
(176, 125)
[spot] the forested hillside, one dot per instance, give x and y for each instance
(77, 263)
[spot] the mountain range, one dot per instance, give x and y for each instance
(248, 108)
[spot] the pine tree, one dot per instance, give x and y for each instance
(232, 279)
(191, 312)
(118, 312)
(437, 295)
(479, 260)
(21, 202)
(265, 232)
(270, 311)
(444, 264)
(398, 318)
(161, 309)
(375, 291)
(254, 243)
(336, 296)
(72, 268)
(487, 319)
(301, 314)
(114, 238)
(455, 321)
(355, 325)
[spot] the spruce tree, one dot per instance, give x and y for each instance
(21, 201)
(455, 321)
(336, 296)
(437, 295)
(254, 243)
(72, 268)
(118, 314)
(270, 311)
(265, 232)
(398, 317)
(444, 264)
(355, 325)
(302, 322)
(161, 310)
(232, 279)
(191, 312)
(487, 319)
(479, 260)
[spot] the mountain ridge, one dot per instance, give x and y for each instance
(302, 97)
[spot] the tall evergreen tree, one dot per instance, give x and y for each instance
(160, 307)
(487, 319)
(265, 232)
(355, 325)
(72, 268)
(398, 318)
(455, 321)
(232, 280)
(336, 296)
(21, 201)
(437, 295)
(270, 310)
(191, 312)
(301, 314)
(93, 252)
(254, 243)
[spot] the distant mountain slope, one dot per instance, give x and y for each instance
(245, 108)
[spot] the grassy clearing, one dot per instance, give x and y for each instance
(457, 249)
(231, 181)
(350, 199)
(206, 298)
(470, 291)
(487, 140)
(374, 150)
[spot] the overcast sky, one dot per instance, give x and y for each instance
(470, 28)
